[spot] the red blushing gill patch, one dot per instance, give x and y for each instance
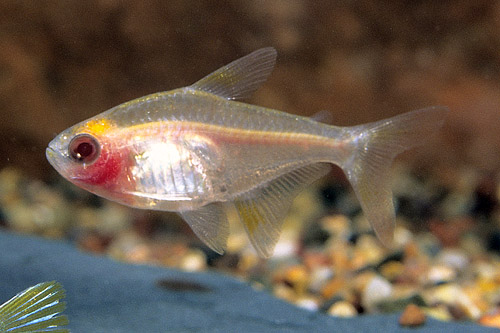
(104, 171)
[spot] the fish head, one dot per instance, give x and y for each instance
(86, 155)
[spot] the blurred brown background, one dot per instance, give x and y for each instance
(64, 61)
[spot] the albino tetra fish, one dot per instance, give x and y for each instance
(196, 151)
(35, 309)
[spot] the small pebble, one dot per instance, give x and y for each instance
(491, 319)
(248, 261)
(308, 303)
(473, 245)
(284, 292)
(333, 287)
(113, 218)
(402, 236)
(480, 299)
(125, 247)
(439, 312)
(454, 296)
(399, 299)
(194, 261)
(368, 251)
(319, 277)
(392, 270)
(342, 309)
(412, 316)
(298, 277)
(93, 242)
(340, 256)
(236, 242)
(440, 273)
(139, 254)
(337, 225)
(377, 289)
(453, 258)
(286, 247)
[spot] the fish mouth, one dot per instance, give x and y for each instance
(55, 159)
(50, 154)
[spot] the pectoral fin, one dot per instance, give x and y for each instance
(262, 210)
(210, 224)
(240, 78)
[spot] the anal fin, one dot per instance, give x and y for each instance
(262, 210)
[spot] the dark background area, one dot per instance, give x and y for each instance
(62, 62)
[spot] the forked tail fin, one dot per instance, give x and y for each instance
(375, 146)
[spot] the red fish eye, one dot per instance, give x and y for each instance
(84, 148)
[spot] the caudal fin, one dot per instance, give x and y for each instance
(376, 145)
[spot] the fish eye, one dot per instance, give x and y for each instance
(84, 148)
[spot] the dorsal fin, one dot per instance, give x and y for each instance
(240, 78)
(323, 116)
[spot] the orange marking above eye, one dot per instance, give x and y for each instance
(99, 126)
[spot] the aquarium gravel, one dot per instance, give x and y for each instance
(444, 263)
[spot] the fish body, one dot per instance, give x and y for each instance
(199, 152)
(36, 309)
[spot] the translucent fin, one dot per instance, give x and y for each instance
(376, 146)
(210, 224)
(35, 309)
(262, 210)
(323, 116)
(240, 78)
